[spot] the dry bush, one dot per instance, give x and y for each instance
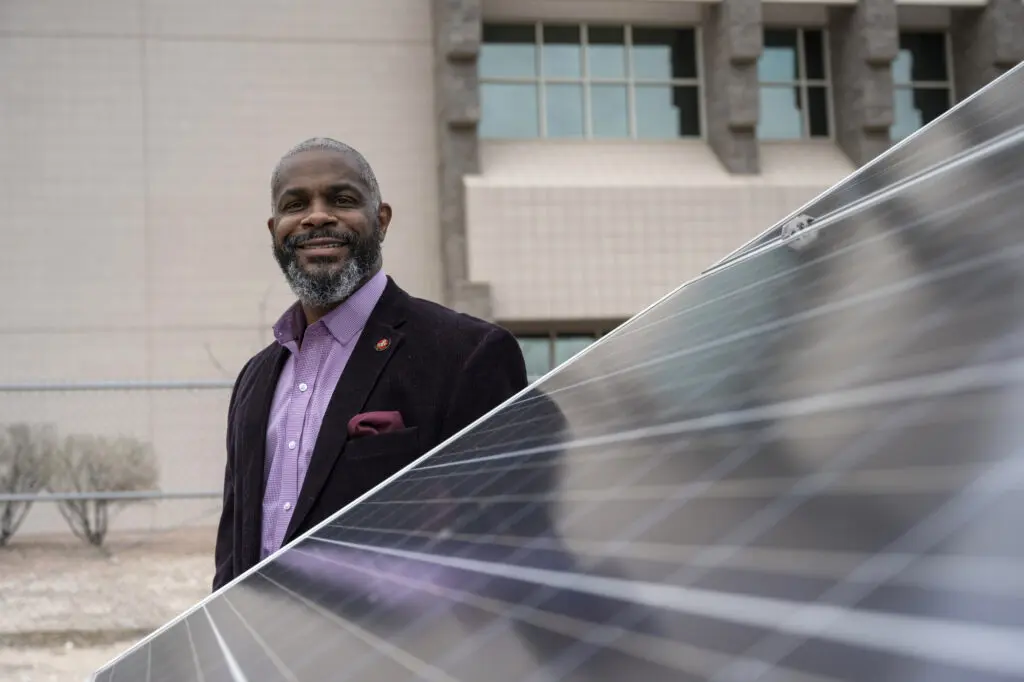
(26, 463)
(87, 464)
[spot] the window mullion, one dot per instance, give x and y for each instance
(630, 81)
(588, 128)
(950, 80)
(801, 77)
(702, 111)
(541, 90)
(826, 63)
(552, 342)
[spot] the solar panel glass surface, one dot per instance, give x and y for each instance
(804, 466)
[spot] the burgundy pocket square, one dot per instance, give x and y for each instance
(373, 423)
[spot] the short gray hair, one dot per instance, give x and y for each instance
(363, 167)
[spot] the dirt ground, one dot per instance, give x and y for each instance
(66, 608)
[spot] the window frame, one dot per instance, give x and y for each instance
(804, 84)
(949, 84)
(552, 334)
(585, 81)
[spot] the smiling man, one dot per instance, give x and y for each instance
(361, 378)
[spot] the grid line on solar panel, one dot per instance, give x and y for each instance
(981, 575)
(688, 659)
(898, 556)
(422, 669)
(954, 381)
(278, 663)
(979, 645)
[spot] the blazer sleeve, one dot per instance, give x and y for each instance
(493, 373)
(225, 546)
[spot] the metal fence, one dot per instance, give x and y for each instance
(57, 387)
(111, 496)
(183, 421)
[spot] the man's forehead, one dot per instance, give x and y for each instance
(318, 165)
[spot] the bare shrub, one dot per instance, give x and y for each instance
(87, 464)
(26, 461)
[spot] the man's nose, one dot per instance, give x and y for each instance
(318, 218)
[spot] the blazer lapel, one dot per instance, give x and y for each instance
(365, 365)
(251, 448)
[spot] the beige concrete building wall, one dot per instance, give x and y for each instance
(136, 143)
(591, 230)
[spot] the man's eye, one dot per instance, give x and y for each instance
(291, 206)
(343, 201)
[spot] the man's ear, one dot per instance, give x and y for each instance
(384, 218)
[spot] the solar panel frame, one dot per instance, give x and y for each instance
(777, 247)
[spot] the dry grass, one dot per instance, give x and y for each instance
(66, 608)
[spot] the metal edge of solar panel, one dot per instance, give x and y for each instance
(554, 595)
(913, 150)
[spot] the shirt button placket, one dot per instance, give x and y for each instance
(305, 373)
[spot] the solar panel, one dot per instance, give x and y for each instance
(805, 465)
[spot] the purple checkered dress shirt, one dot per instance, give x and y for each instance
(304, 388)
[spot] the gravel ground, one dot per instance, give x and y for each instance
(66, 609)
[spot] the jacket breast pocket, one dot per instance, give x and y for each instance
(371, 459)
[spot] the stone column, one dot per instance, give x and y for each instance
(864, 40)
(457, 35)
(733, 37)
(987, 41)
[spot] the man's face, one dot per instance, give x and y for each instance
(327, 235)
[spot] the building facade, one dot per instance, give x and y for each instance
(555, 165)
(640, 141)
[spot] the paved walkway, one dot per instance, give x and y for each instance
(66, 608)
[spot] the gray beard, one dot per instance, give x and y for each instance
(323, 290)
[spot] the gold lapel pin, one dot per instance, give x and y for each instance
(383, 344)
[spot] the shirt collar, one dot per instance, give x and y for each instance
(343, 323)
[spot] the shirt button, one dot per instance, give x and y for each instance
(303, 387)
(287, 506)
(291, 445)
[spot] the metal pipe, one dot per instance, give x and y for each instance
(188, 385)
(108, 496)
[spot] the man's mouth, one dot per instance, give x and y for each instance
(321, 246)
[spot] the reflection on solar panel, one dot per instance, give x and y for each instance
(806, 465)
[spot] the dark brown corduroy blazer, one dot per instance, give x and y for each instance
(441, 370)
